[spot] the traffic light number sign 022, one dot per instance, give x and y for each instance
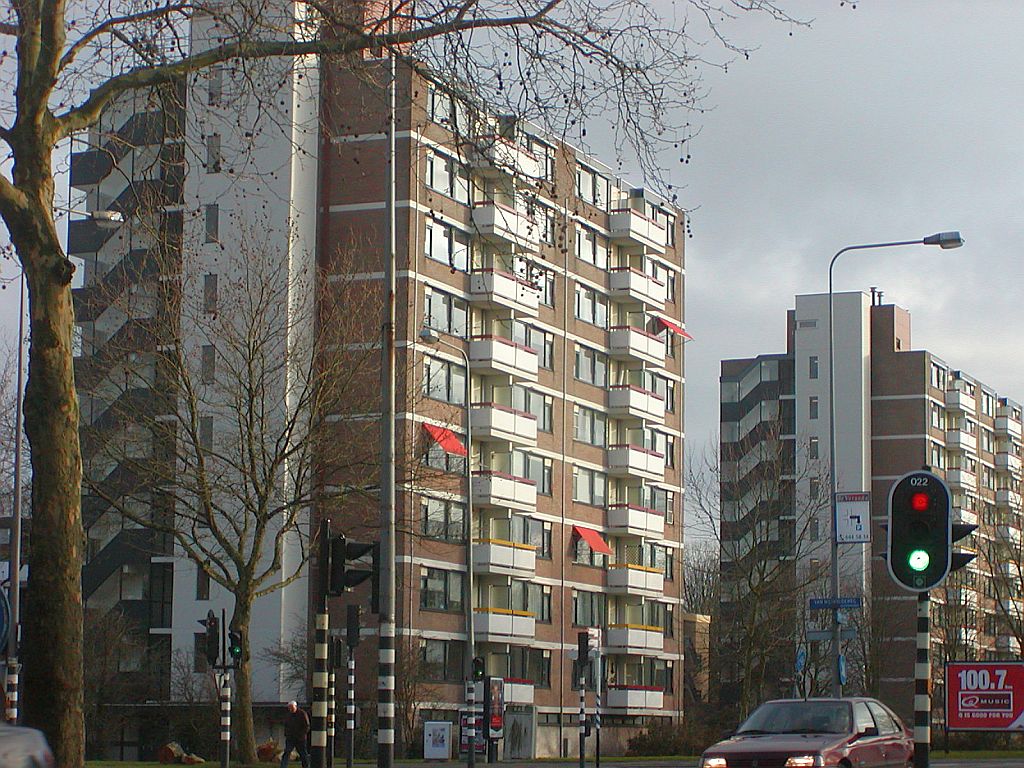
(985, 695)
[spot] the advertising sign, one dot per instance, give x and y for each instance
(495, 707)
(853, 518)
(985, 695)
(437, 740)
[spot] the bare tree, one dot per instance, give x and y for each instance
(553, 59)
(701, 563)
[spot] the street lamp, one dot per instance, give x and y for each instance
(432, 337)
(944, 240)
(105, 220)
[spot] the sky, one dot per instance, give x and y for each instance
(890, 120)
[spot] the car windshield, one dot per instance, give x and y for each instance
(798, 717)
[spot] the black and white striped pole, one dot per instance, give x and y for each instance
(318, 735)
(582, 652)
(225, 717)
(922, 684)
(330, 701)
(598, 682)
(12, 689)
(350, 710)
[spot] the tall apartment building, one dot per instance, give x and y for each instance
(897, 409)
(562, 287)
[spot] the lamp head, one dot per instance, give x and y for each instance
(429, 336)
(944, 240)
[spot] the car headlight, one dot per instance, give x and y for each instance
(805, 761)
(713, 762)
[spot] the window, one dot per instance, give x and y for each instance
(937, 456)
(812, 447)
(590, 426)
(591, 306)
(815, 531)
(546, 219)
(438, 458)
(538, 533)
(588, 608)
(663, 558)
(208, 364)
(532, 664)
(535, 403)
(670, 451)
(531, 597)
(670, 286)
(442, 660)
(591, 186)
(448, 176)
(885, 722)
(211, 215)
(535, 468)
(938, 376)
(591, 247)
(938, 416)
(213, 156)
(814, 490)
(591, 366)
(670, 344)
(443, 519)
(540, 341)
(202, 584)
(589, 486)
(446, 245)
(206, 432)
(669, 395)
(812, 367)
(812, 407)
(209, 293)
(440, 590)
(443, 380)
(584, 555)
(545, 278)
(446, 313)
(215, 85)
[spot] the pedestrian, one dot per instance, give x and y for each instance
(296, 730)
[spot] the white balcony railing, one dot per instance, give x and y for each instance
(499, 222)
(634, 638)
(626, 579)
(1007, 425)
(634, 461)
(504, 625)
(630, 342)
(1008, 462)
(492, 422)
(634, 697)
(958, 400)
(496, 288)
(962, 477)
(632, 520)
(1005, 497)
(631, 227)
(960, 440)
(630, 283)
(504, 491)
(504, 558)
(497, 355)
(496, 154)
(627, 400)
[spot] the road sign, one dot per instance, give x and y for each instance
(853, 518)
(824, 635)
(594, 637)
(801, 659)
(834, 603)
(841, 661)
(985, 695)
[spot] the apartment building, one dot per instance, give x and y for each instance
(897, 409)
(561, 287)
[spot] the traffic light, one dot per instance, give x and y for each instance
(919, 551)
(582, 656)
(235, 646)
(212, 624)
(478, 668)
(342, 575)
(352, 626)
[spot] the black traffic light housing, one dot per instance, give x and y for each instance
(235, 646)
(212, 624)
(920, 535)
(343, 576)
(478, 668)
(582, 656)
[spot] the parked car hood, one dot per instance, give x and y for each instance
(774, 743)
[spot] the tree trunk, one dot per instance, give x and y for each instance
(244, 733)
(52, 619)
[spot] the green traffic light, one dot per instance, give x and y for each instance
(918, 560)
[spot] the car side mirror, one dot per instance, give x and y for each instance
(869, 731)
(727, 735)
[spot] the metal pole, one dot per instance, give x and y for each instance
(837, 686)
(470, 588)
(922, 687)
(583, 714)
(386, 636)
(225, 718)
(350, 709)
(599, 672)
(330, 714)
(14, 586)
(318, 737)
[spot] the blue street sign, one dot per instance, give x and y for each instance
(834, 603)
(842, 669)
(801, 659)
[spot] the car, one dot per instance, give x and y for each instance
(24, 748)
(799, 733)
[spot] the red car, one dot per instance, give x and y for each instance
(794, 733)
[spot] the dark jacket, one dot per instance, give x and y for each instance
(296, 724)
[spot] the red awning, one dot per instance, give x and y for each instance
(674, 327)
(446, 439)
(593, 538)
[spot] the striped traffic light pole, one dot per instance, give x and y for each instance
(318, 737)
(922, 688)
(225, 718)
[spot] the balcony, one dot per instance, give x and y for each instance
(1008, 426)
(504, 224)
(961, 515)
(1008, 462)
(629, 401)
(496, 355)
(958, 400)
(634, 697)
(496, 155)
(492, 489)
(634, 461)
(627, 579)
(1005, 497)
(632, 520)
(959, 440)
(498, 557)
(628, 342)
(962, 477)
(629, 227)
(628, 283)
(504, 625)
(496, 288)
(492, 422)
(634, 638)
(1008, 534)
(517, 691)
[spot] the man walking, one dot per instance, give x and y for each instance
(296, 730)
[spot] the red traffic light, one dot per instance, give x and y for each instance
(919, 502)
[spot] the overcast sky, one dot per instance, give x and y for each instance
(888, 121)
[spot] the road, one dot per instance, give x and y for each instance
(936, 760)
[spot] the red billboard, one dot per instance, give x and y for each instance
(985, 695)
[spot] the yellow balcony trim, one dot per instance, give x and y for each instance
(506, 543)
(632, 567)
(645, 627)
(506, 612)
